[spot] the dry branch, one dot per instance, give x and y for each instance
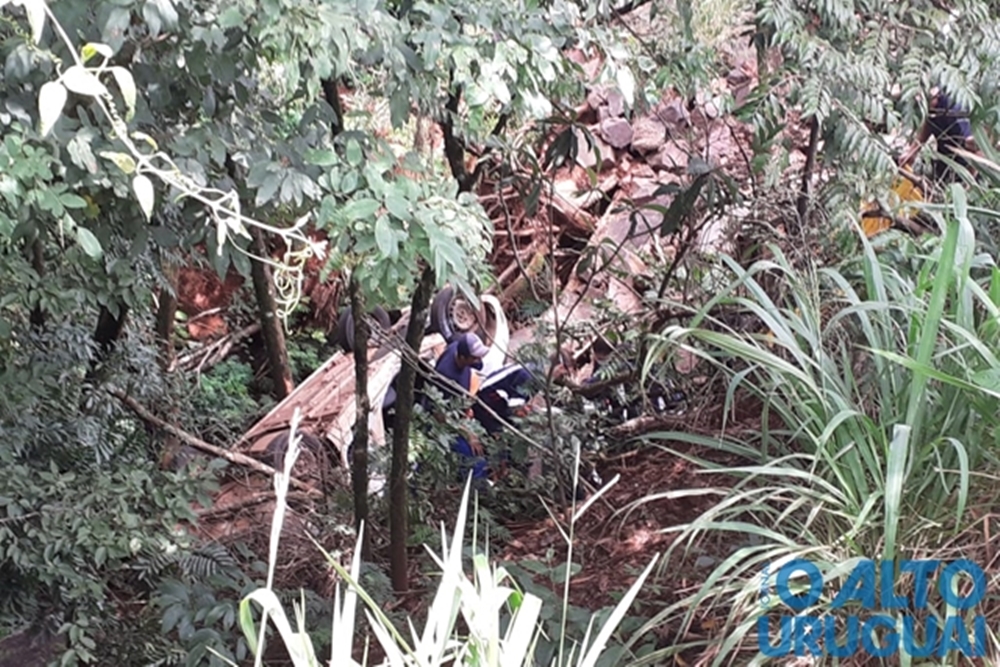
(198, 443)
(215, 352)
(249, 501)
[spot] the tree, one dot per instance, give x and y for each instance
(859, 71)
(153, 136)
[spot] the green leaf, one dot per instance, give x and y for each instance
(91, 49)
(167, 12)
(321, 158)
(230, 18)
(51, 100)
(359, 209)
(268, 188)
(559, 572)
(121, 160)
(82, 82)
(398, 206)
(115, 27)
(143, 188)
(384, 238)
(164, 236)
(88, 242)
(70, 200)
(100, 556)
(152, 18)
(355, 156)
(80, 151)
(126, 84)
(399, 106)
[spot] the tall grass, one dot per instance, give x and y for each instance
(499, 627)
(883, 386)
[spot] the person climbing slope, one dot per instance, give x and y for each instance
(948, 122)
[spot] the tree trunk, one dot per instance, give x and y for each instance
(110, 327)
(398, 512)
(37, 256)
(270, 325)
(332, 96)
(359, 467)
(165, 315)
(802, 205)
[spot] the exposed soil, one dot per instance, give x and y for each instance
(620, 533)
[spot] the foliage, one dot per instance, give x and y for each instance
(500, 621)
(306, 352)
(864, 71)
(878, 401)
(81, 496)
(221, 407)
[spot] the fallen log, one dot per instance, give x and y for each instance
(188, 439)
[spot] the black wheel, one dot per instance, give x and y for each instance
(345, 326)
(452, 314)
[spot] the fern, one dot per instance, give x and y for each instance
(204, 561)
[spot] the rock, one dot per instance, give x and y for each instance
(672, 156)
(648, 134)
(643, 170)
(617, 132)
(673, 114)
(707, 104)
(597, 96)
(740, 82)
(722, 148)
(616, 103)
(737, 78)
(587, 155)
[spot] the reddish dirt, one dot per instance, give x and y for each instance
(618, 535)
(203, 297)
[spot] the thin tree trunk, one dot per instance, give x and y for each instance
(108, 330)
(110, 327)
(802, 205)
(398, 511)
(359, 467)
(36, 251)
(270, 325)
(165, 315)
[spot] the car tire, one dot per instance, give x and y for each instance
(345, 326)
(443, 313)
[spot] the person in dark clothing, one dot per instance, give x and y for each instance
(500, 396)
(948, 123)
(455, 367)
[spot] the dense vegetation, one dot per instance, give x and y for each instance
(282, 144)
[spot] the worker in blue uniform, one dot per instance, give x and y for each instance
(454, 371)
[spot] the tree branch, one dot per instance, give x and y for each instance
(188, 439)
(454, 149)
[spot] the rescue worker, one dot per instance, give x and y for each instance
(948, 123)
(456, 365)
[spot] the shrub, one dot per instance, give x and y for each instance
(883, 383)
